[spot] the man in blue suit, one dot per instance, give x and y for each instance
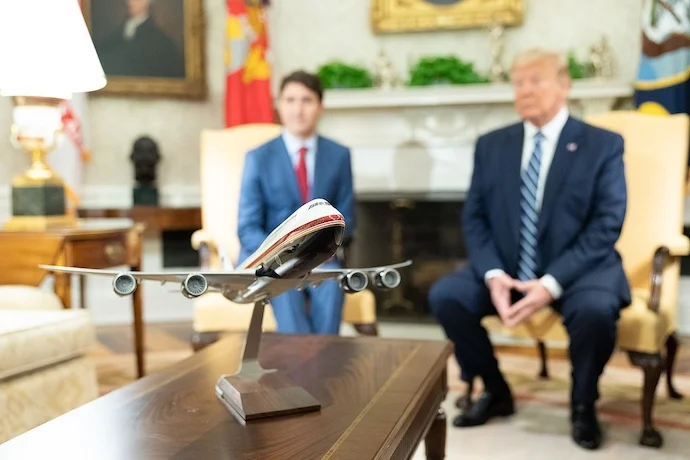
(545, 207)
(282, 175)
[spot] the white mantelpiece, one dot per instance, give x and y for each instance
(421, 139)
(430, 96)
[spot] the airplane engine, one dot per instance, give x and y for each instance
(387, 279)
(124, 284)
(194, 285)
(354, 281)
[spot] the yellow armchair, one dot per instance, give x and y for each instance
(222, 161)
(651, 243)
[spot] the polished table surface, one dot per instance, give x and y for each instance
(380, 398)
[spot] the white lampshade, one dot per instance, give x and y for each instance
(46, 50)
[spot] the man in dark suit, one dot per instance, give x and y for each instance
(285, 173)
(139, 48)
(545, 207)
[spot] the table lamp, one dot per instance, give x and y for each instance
(46, 55)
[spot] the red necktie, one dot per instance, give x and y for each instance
(302, 174)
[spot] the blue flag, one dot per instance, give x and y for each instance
(663, 79)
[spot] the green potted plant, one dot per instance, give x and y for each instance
(444, 70)
(339, 75)
(578, 69)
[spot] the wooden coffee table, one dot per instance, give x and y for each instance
(379, 399)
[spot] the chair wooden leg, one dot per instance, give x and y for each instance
(652, 365)
(367, 329)
(671, 350)
(201, 340)
(464, 402)
(544, 374)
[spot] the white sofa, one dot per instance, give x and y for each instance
(44, 370)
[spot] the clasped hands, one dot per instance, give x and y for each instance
(536, 297)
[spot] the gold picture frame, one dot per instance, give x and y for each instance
(393, 16)
(163, 55)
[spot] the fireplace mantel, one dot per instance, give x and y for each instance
(585, 90)
(421, 139)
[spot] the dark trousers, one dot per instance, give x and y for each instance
(459, 302)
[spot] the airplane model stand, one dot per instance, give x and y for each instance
(254, 392)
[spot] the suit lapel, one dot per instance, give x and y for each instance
(286, 165)
(561, 165)
(512, 180)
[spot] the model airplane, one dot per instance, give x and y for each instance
(287, 259)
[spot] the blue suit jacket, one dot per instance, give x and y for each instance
(582, 213)
(270, 192)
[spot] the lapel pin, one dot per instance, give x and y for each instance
(571, 147)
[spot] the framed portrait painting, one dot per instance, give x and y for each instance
(390, 16)
(149, 47)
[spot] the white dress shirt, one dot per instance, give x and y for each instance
(551, 133)
(293, 144)
(132, 24)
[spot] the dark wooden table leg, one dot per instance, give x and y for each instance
(82, 291)
(63, 288)
(435, 441)
(138, 328)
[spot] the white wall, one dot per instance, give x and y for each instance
(307, 33)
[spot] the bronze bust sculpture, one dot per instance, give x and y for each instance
(145, 156)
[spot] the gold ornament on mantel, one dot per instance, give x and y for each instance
(385, 75)
(497, 72)
(601, 60)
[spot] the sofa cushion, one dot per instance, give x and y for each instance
(40, 396)
(28, 298)
(31, 339)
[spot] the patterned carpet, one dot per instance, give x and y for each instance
(115, 361)
(620, 389)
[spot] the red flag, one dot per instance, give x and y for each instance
(71, 125)
(248, 79)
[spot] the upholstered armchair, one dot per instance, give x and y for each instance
(222, 160)
(651, 244)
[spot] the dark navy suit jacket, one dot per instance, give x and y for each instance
(270, 192)
(582, 212)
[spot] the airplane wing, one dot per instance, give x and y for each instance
(236, 278)
(322, 274)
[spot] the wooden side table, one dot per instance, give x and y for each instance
(93, 243)
(156, 218)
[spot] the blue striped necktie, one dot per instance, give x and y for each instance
(527, 261)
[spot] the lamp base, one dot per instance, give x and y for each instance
(38, 204)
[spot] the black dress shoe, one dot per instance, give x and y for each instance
(586, 429)
(487, 406)
(464, 402)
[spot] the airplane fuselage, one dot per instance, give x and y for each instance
(304, 241)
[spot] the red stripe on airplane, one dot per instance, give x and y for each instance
(307, 226)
